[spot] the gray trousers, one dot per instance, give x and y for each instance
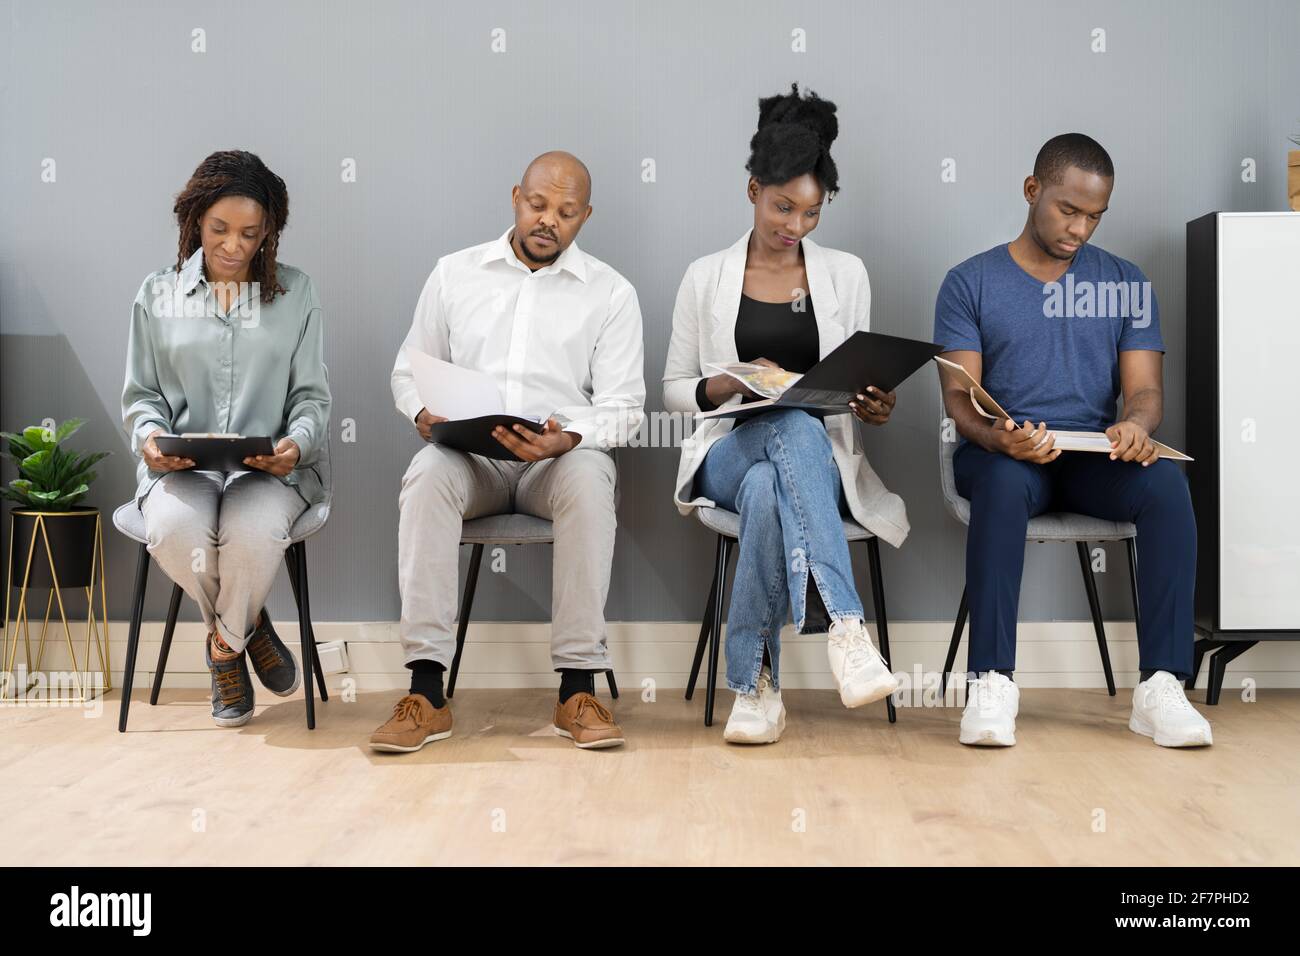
(221, 537)
(443, 487)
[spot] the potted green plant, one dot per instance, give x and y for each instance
(50, 484)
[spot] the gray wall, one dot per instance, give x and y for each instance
(441, 128)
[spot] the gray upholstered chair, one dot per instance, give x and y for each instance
(726, 525)
(130, 521)
(497, 529)
(1053, 526)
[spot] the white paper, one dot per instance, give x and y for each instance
(451, 391)
(1081, 441)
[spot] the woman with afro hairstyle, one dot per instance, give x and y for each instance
(778, 299)
(228, 340)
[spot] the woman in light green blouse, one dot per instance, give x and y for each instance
(229, 341)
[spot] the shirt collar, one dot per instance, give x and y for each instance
(572, 260)
(191, 273)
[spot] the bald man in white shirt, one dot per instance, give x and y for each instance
(560, 331)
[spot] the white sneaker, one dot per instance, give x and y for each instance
(860, 672)
(989, 719)
(757, 718)
(1161, 711)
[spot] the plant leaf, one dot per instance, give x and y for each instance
(37, 464)
(39, 438)
(69, 497)
(68, 428)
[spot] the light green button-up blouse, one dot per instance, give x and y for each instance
(257, 369)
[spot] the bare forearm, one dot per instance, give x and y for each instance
(1145, 409)
(970, 424)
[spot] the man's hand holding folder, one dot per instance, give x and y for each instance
(478, 423)
(1123, 441)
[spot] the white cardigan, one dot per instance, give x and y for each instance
(704, 330)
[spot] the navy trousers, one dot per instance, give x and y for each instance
(1005, 493)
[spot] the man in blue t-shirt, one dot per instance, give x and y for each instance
(1056, 330)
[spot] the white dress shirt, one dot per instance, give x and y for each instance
(564, 341)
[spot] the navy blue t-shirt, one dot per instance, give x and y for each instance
(1050, 351)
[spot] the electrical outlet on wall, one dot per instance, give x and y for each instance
(333, 657)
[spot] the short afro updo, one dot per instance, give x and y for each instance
(794, 137)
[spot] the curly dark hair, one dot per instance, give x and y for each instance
(235, 172)
(794, 137)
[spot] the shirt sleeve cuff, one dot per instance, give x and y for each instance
(302, 439)
(410, 406)
(588, 430)
(701, 395)
(143, 431)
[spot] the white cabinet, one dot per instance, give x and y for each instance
(1243, 413)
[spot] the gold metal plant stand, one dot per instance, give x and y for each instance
(93, 625)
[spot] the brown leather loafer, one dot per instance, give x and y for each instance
(415, 722)
(587, 722)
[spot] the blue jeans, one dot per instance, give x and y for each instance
(778, 473)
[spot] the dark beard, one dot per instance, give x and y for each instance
(539, 260)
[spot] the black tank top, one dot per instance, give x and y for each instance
(775, 331)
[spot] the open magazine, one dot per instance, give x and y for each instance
(760, 379)
(1065, 440)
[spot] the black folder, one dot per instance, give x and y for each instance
(863, 359)
(215, 454)
(474, 435)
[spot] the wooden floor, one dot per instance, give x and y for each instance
(842, 787)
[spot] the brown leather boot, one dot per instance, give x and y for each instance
(587, 722)
(415, 722)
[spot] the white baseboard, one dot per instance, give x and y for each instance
(510, 654)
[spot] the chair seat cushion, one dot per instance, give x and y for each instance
(1058, 525)
(128, 520)
(507, 529)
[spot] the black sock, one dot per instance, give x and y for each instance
(994, 670)
(1146, 675)
(767, 658)
(426, 679)
(573, 681)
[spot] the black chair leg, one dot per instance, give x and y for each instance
(133, 635)
(715, 631)
(466, 605)
(613, 686)
(304, 630)
(882, 618)
(172, 611)
(706, 627)
(1133, 583)
(1094, 603)
(960, 625)
(1219, 667)
(290, 559)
